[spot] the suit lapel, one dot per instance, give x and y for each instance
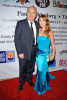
(28, 27)
(36, 28)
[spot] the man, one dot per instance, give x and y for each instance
(25, 42)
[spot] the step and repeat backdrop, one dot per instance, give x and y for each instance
(13, 10)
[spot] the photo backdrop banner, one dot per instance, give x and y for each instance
(13, 10)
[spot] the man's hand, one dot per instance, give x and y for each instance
(21, 55)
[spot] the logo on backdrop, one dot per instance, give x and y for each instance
(58, 4)
(7, 56)
(23, 1)
(2, 57)
(63, 62)
(62, 52)
(42, 3)
(19, 1)
(10, 56)
(8, 0)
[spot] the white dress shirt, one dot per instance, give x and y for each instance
(34, 29)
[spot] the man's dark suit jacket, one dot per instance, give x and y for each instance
(23, 38)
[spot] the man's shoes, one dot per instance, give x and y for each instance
(31, 83)
(20, 88)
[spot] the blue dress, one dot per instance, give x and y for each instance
(43, 76)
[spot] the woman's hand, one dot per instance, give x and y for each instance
(52, 58)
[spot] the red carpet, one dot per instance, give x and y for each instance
(58, 91)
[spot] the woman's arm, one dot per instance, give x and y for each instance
(52, 44)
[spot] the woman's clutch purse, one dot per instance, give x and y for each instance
(48, 57)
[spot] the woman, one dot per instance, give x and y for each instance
(44, 39)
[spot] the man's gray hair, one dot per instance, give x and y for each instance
(31, 7)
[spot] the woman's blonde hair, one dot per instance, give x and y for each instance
(44, 17)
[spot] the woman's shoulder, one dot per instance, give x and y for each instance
(51, 33)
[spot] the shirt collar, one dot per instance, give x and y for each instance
(30, 21)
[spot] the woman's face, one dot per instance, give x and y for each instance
(42, 22)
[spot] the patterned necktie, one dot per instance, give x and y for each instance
(32, 33)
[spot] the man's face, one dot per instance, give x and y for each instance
(31, 14)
